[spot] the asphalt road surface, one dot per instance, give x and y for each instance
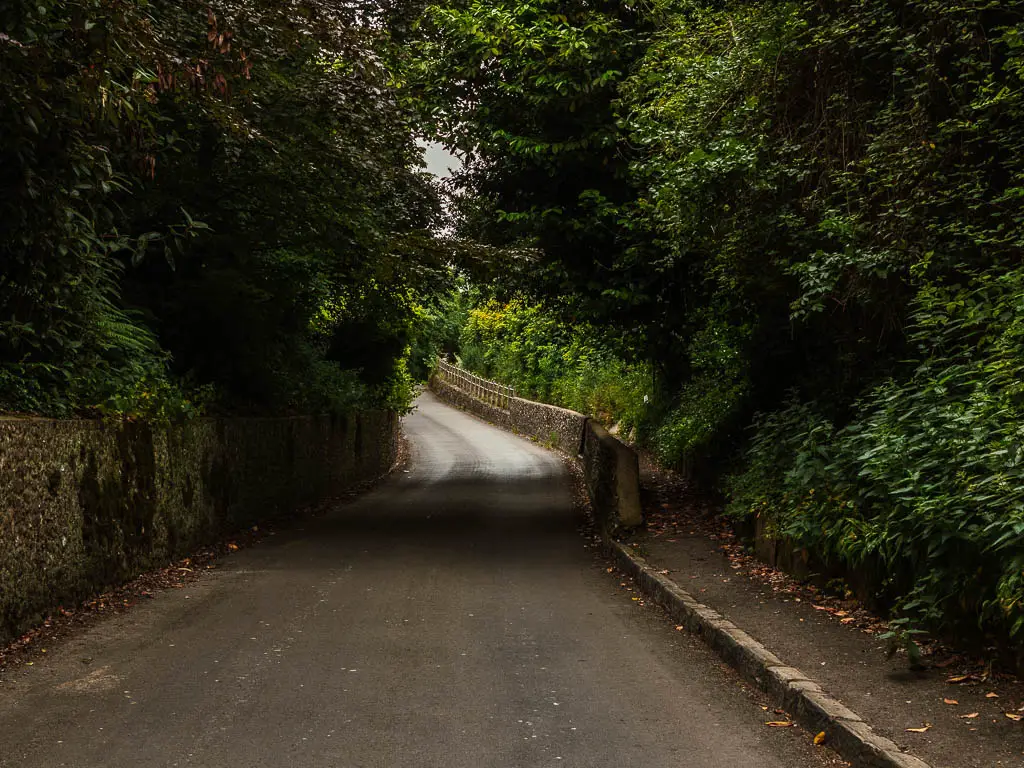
(453, 618)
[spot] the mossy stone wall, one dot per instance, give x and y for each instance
(86, 505)
(557, 427)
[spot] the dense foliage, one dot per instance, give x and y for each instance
(209, 204)
(525, 346)
(806, 217)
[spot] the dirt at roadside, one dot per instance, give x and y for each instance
(965, 714)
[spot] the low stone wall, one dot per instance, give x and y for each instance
(611, 469)
(86, 505)
(556, 427)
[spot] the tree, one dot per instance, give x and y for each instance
(207, 195)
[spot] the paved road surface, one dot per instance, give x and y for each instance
(453, 618)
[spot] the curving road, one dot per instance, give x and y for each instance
(452, 618)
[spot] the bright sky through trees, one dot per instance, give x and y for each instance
(440, 161)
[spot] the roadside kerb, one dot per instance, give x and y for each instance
(788, 687)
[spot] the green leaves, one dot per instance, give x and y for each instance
(925, 482)
(525, 88)
(206, 198)
(526, 346)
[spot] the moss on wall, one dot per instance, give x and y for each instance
(86, 505)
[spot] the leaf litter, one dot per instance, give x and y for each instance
(673, 512)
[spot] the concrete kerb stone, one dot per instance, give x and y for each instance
(787, 686)
(856, 741)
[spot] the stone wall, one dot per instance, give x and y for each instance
(611, 471)
(555, 427)
(610, 468)
(86, 505)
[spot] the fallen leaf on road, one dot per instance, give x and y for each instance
(679, 628)
(779, 723)
(847, 620)
(819, 739)
(958, 678)
(970, 716)
(232, 546)
(1014, 716)
(950, 701)
(991, 695)
(919, 730)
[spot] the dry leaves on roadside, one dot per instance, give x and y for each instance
(950, 701)
(923, 729)
(780, 723)
(819, 739)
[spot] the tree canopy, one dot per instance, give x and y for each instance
(206, 202)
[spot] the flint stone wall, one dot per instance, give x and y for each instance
(465, 401)
(85, 506)
(556, 427)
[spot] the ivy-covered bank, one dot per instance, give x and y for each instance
(780, 242)
(89, 505)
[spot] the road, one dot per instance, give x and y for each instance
(453, 618)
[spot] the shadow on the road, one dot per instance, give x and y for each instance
(503, 521)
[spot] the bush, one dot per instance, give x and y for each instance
(527, 346)
(926, 481)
